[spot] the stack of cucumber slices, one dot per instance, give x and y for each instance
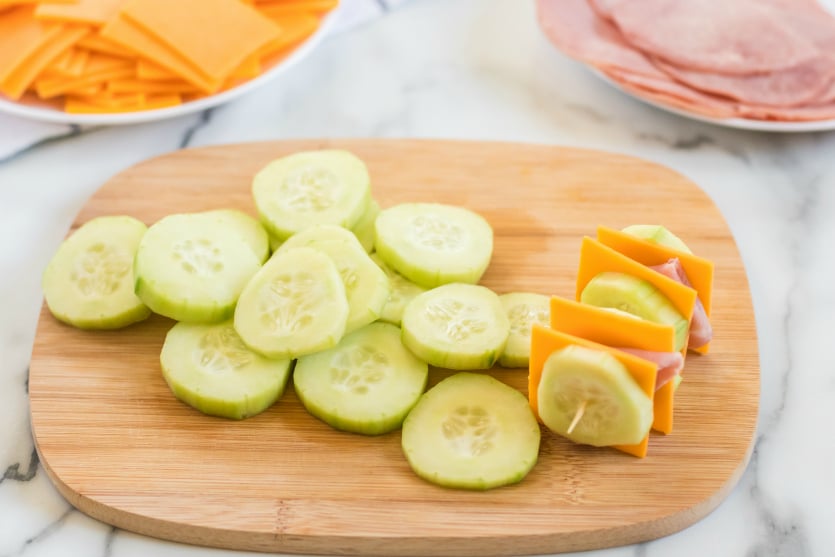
(354, 301)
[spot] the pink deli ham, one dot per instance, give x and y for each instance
(576, 30)
(700, 329)
(669, 364)
(739, 37)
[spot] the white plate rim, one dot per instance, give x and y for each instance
(55, 116)
(736, 123)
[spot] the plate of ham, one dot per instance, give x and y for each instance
(755, 64)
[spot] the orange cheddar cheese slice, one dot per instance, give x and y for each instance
(596, 258)
(20, 79)
(620, 331)
(134, 85)
(215, 36)
(610, 328)
(20, 36)
(295, 28)
(100, 68)
(75, 105)
(93, 12)
(97, 43)
(127, 34)
(698, 269)
(277, 8)
(145, 69)
(545, 341)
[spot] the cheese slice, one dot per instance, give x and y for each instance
(277, 8)
(97, 43)
(20, 36)
(596, 258)
(97, 72)
(619, 331)
(126, 33)
(69, 64)
(18, 81)
(93, 12)
(75, 105)
(699, 270)
(545, 341)
(134, 85)
(145, 69)
(294, 29)
(216, 36)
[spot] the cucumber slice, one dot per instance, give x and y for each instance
(366, 384)
(471, 431)
(311, 187)
(403, 291)
(249, 228)
(366, 285)
(638, 297)
(295, 305)
(523, 310)
(88, 283)
(433, 244)
(364, 229)
(589, 397)
(193, 267)
(209, 368)
(456, 326)
(657, 234)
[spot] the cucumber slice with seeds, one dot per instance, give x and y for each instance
(471, 431)
(523, 310)
(193, 267)
(209, 368)
(311, 187)
(657, 234)
(252, 232)
(638, 297)
(402, 292)
(364, 229)
(589, 397)
(295, 305)
(366, 285)
(456, 326)
(88, 283)
(366, 384)
(433, 244)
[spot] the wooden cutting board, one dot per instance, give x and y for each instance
(122, 449)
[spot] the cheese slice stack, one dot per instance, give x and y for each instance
(99, 56)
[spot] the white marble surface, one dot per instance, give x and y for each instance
(476, 69)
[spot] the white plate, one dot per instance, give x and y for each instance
(739, 123)
(51, 114)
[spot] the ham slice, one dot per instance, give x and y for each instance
(575, 29)
(664, 90)
(739, 37)
(700, 329)
(795, 86)
(669, 364)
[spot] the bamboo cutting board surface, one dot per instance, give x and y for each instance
(122, 449)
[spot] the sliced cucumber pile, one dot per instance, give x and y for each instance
(366, 384)
(456, 326)
(471, 431)
(523, 310)
(89, 281)
(433, 244)
(209, 368)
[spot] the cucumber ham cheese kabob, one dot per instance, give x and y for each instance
(607, 278)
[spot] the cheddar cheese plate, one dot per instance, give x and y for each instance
(121, 448)
(30, 106)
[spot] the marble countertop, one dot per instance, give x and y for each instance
(469, 69)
